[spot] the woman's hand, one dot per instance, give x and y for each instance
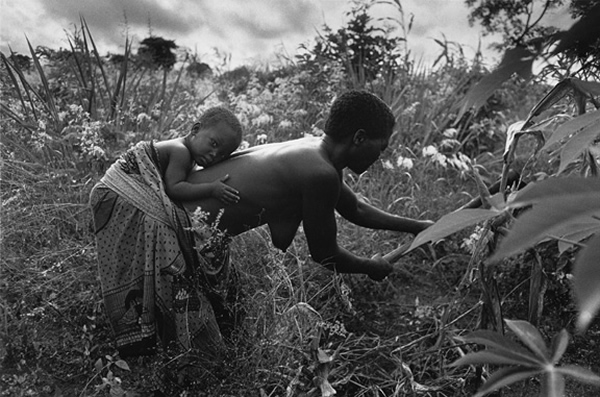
(225, 193)
(380, 268)
(425, 224)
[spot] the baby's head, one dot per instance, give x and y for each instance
(214, 137)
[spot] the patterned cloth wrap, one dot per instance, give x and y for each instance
(158, 281)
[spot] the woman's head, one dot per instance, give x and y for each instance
(359, 110)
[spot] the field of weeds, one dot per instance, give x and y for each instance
(68, 114)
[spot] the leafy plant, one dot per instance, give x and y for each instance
(523, 363)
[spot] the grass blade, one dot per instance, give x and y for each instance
(493, 357)
(559, 345)
(121, 81)
(26, 87)
(97, 55)
(15, 82)
(553, 384)
(48, 99)
(583, 375)
(530, 336)
(504, 377)
(502, 343)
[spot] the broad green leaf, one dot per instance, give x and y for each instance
(591, 162)
(572, 126)
(516, 60)
(583, 375)
(576, 233)
(501, 343)
(555, 188)
(511, 133)
(586, 282)
(586, 87)
(530, 336)
(122, 364)
(494, 357)
(99, 365)
(553, 384)
(558, 92)
(504, 377)
(452, 223)
(514, 132)
(578, 143)
(559, 345)
(544, 219)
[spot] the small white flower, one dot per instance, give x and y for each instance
(450, 133)
(262, 120)
(429, 151)
(142, 117)
(261, 139)
(440, 159)
(315, 131)
(404, 162)
(387, 164)
(285, 124)
(299, 113)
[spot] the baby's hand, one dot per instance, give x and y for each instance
(225, 193)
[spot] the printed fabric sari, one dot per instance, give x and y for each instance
(159, 283)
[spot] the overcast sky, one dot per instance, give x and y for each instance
(250, 30)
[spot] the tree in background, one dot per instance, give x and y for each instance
(365, 50)
(521, 24)
(157, 53)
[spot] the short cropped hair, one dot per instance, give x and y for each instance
(354, 110)
(216, 115)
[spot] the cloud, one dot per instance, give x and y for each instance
(245, 29)
(270, 19)
(111, 20)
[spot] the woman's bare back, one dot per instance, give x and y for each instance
(269, 179)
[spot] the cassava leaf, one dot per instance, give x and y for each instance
(553, 384)
(586, 282)
(516, 60)
(514, 132)
(501, 343)
(590, 157)
(493, 357)
(575, 146)
(504, 377)
(576, 232)
(530, 336)
(511, 133)
(559, 345)
(552, 188)
(544, 219)
(586, 87)
(572, 126)
(558, 92)
(583, 375)
(452, 223)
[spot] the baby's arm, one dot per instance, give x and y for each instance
(178, 167)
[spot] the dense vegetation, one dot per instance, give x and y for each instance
(67, 114)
